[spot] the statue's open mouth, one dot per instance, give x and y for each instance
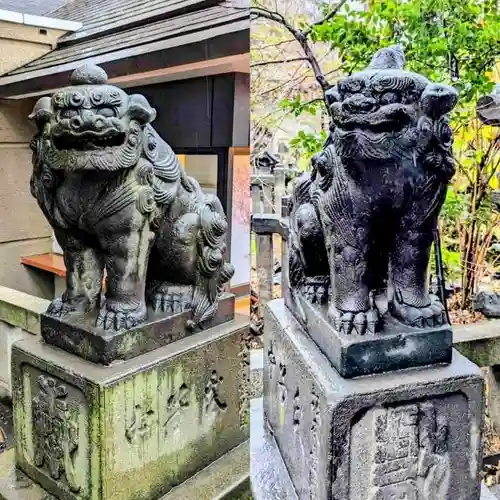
(388, 120)
(89, 141)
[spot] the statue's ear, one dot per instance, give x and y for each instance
(488, 108)
(332, 95)
(140, 110)
(438, 100)
(42, 112)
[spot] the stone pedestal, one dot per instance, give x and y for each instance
(412, 434)
(132, 430)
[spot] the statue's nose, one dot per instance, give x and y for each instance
(87, 116)
(359, 103)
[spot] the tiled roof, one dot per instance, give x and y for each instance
(139, 41)
(168, 29)
(101, 17)
(33, 7)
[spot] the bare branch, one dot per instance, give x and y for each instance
(279, 61)
(274, 45)
(301, 38)
(329, 16)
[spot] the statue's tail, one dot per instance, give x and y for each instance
(212, 272)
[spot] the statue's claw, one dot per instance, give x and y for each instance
(58, 307)
(361, 323)
(315, 290)
(171, 298)
(420, 317)
(61, 306)
(115, 316)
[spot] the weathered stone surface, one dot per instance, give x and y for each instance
(268, 474)
(398, 347)
(488, 108)
(225, 479)
(132, 430)
(270, 479)
(8, 335)
(78, 335)
(19, 318)
(21, 309)
(479, 342)
(487, 303)
(256, 372)
(414, 432)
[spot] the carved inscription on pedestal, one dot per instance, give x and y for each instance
(282, 390)
(177, 403)
(213, 403)
(315, 445)
(55, 431)
(141, 426)
(271, 358)
(297, 411)
(410, 460)
(245, 387)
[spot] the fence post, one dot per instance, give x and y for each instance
(267, 192)
(279, 187)
(256, 203)
(285, 214)
(265, 269)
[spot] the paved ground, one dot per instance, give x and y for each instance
(6, 424)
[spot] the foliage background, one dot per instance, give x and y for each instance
(449, 41)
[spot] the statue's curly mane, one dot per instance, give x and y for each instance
(167, 176)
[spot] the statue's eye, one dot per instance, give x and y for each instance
(106, 111)
(389, 98)
(68, 113)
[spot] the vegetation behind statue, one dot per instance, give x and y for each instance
(119, 201)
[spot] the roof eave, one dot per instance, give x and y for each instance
(221, 41)
(39, 21)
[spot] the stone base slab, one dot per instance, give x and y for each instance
(132, 430)
(413, 434)
(396, 347)
(269, 478)
(225, 479)
(79, 335)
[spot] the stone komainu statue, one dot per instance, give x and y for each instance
(363, 220)
(119, 200)
(488, 108)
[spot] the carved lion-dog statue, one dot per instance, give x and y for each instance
(363, 220)
(119, 201)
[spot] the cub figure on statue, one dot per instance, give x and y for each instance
(363, 221)
(119, 200)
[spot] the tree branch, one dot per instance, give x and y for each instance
(300, 36)
(329, 16)
(279, 61)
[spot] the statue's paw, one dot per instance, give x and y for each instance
(115, 316)
(420, 317)
(315, 290)
(60, 307)
(361, 323)
(173, 299)
(63, 305)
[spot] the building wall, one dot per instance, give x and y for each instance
(23, 228)
(20, 44)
